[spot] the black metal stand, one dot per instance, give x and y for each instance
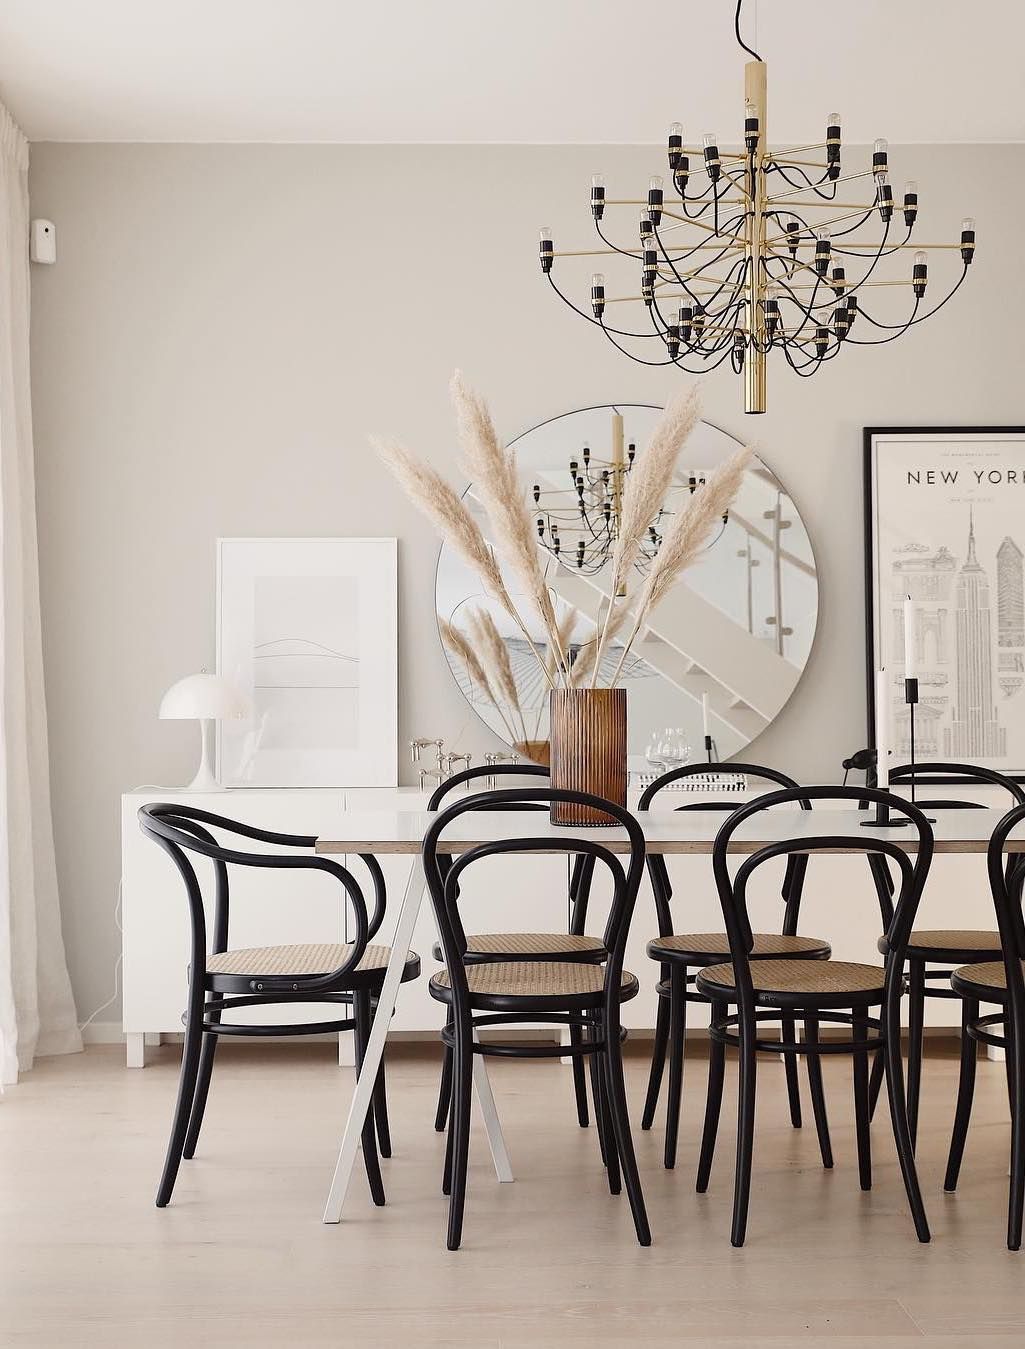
(709, 748)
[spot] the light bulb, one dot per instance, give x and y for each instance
(645, 224)
(833, 119)
(968, 223)
(823, 236)
(676, 129)
(911, 188)
(598, 279)
(546, 234)
(921, 258)
(708, 140)
(881, 146)
(655, 183)
(597, 180)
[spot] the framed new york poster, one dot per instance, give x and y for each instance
(945, 527)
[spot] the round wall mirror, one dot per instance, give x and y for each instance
(730, 640)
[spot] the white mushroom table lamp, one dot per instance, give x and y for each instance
(205, 698)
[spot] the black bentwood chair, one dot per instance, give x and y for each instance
(681, 955)
(946, 947)
(573, 993)
(999, 982)
(488, 947)
(815, 990)
(347, 973)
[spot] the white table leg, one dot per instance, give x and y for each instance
(135, 1049)
(489, 1112)
(346, 1049)
(363, 1093)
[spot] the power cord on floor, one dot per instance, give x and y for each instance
(117, 968)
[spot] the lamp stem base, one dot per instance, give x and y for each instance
(205, 780)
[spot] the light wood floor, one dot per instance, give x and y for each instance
(241, 1258)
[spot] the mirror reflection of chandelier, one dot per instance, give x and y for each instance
(579, 523)
(761, 250)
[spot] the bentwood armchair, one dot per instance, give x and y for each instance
(223, 980)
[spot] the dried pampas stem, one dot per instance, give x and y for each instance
(494, 655)
(647, 487)
(586, 661)
(685, 538)
(428, 490)
(492, 470)
(459, 647)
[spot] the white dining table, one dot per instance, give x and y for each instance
(666, 832)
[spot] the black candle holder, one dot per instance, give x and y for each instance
(882, 818)
(709, 749)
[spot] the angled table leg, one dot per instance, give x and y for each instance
(362, 1096)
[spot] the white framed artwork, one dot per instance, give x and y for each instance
(307, 629)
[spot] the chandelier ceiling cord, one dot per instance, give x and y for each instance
(754, 252)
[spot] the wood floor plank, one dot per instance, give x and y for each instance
(240, 1256)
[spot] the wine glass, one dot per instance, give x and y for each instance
(674, 749)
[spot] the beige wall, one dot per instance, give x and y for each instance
(226, 323)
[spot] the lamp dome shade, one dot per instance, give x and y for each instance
(201, 697)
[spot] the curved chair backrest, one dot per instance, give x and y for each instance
(658, 870)
(181, 830)
(912, 874)
(1006, 880)
(924, 774)
(444, 883)
(583, 866)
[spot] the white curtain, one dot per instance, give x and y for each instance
(37, 1010)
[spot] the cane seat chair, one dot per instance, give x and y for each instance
(504, 994)
(864, 997)
(681, 954)
(1000, 982)
(934, 952)
(575, 944)
(221, 980)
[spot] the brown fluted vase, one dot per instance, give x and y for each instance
(588, 738)
(537, 751)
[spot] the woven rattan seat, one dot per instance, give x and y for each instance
(716, 946)
(533, 981)
(530, 946)
(302, 959)
(795, 978)
(989, 974)
(954, 939)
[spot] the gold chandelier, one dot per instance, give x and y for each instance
(754, 252)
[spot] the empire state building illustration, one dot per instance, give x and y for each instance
(974, 731)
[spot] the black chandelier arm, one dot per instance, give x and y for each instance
(598, 323)
(929, 313)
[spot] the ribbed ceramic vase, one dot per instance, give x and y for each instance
(588, 738)
(537, 751)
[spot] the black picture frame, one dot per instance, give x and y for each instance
(869, 436)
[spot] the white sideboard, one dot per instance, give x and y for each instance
(269, 907)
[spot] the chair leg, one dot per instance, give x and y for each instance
(206, 1067)
(745, 1131)
(186, 1098)
(788, 1025)
(604, 1108)
(624, 1140)
(713, 1102)
(381, 1113)
(861, 1118)
(1016, 1199)
(677, 1045)
(899, 1115)
(576, 1039)
(965, 1094)
(445, 1086)
(658, 1062)
(362, 1015)
(876, 1082)
(459, 1129)
(916, 1035)
(599, 1114)
(818, 1096)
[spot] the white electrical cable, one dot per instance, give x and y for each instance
(117, 968)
